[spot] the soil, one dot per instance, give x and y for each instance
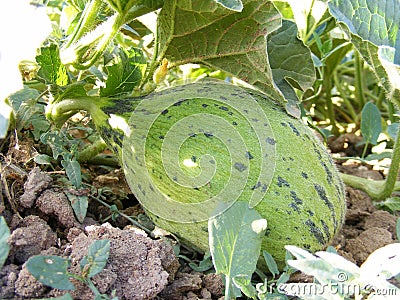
(140, 266)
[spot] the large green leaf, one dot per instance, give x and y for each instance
(207, 33)
(290, 61)
(235, 242)
(373, 27)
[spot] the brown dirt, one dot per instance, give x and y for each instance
(139, 267)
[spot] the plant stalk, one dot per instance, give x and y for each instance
(359, 83)
(328, 97)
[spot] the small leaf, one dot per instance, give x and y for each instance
(371, 125)
(55, 142)
(51, 68)
(204, 265)
(73, 171)
(234, 245)
(244, 283)
(271, 264)
(392, 204)
(97, 257)
(235, 5)
(79, 204)
(42, 159)
(393, 130)
(4, 247)
(125, 74)
(51, 271)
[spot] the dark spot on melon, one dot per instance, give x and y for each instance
(311, 213)
(296, 199)
(175, 178)
(255, 120)
(295, 207)
(230, 113)
(329, 176)
(161, 137)
(248, 155)
(294, 129)
(264, 188)
(222, 98)
(270, 141)
(234, 123)
(164, 112)
(239, 166)
(256, 186)
(283, 124)
(316, 232)
(282, 182)
(192, 134)
(326, 229)
(179, 102)
(193, 158)
(208, 134)
(224, 108)
(204, 105)
(306, 246)
(322, 194)
(304, 175)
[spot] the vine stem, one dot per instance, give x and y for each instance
(359, 79)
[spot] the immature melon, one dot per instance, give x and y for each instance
(303, 198)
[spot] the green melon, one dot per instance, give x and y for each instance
(303, 197)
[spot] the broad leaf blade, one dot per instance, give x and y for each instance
(373, 28)
(291, 63)
(235, 240)
(79, 204)
(371, 125)
(97, 257)
(73, 171)
(125, 73)
(51, 68)
(50, 270)
(204, 32)
(4, 247)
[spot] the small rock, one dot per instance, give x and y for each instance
(367, 242)
(214, 283)
(27, 285)
(37, 182)
(381, 219)
(136, 268)
(32, 236)
(57, 204)
(183, 282)
(8, 277)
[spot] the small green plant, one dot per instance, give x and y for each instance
(52, 270)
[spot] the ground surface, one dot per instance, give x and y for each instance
(139, 267)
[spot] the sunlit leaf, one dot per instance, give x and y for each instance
(235, 243)
(51, 270)
(51, 68)
(371, 125)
